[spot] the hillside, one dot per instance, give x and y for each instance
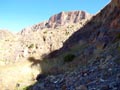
(40, 41)
(16, 49)
(70, 51)
(5, 34)
(90, 58)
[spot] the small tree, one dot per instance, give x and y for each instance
(69, 57)
(31, 46)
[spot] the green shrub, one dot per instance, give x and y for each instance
(24, 88)
(31, 46)
(69, 57)
(45, 32)
(67, 33)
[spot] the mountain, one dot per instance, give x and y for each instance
(37, 41)
(60, 19)
(82, 54)
(101, 30)
(90, 58)
(16, 50)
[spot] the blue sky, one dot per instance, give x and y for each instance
(17, 14)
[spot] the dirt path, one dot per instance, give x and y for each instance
(18, 73)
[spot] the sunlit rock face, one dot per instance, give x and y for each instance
(64, 18)
(57, 20)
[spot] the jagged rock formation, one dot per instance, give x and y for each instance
(61, 19)
(65, 18)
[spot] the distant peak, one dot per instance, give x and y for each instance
(61, 19)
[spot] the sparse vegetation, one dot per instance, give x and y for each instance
(67, 33)
(31, 46)
(69, 58)
(23, 88)
(44, 39)
(45, 32)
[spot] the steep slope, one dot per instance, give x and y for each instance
(92, 54)
(101, 29)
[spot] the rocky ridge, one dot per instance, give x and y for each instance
(60, 19)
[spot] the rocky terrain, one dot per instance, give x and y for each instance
(81, 55)
(37, 42)
(91, 59)
(93, 77)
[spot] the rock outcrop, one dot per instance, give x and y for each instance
(61, 19)
(65, 18)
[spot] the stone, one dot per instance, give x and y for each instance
(81, 87)
(64, 87)
(105, 87)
